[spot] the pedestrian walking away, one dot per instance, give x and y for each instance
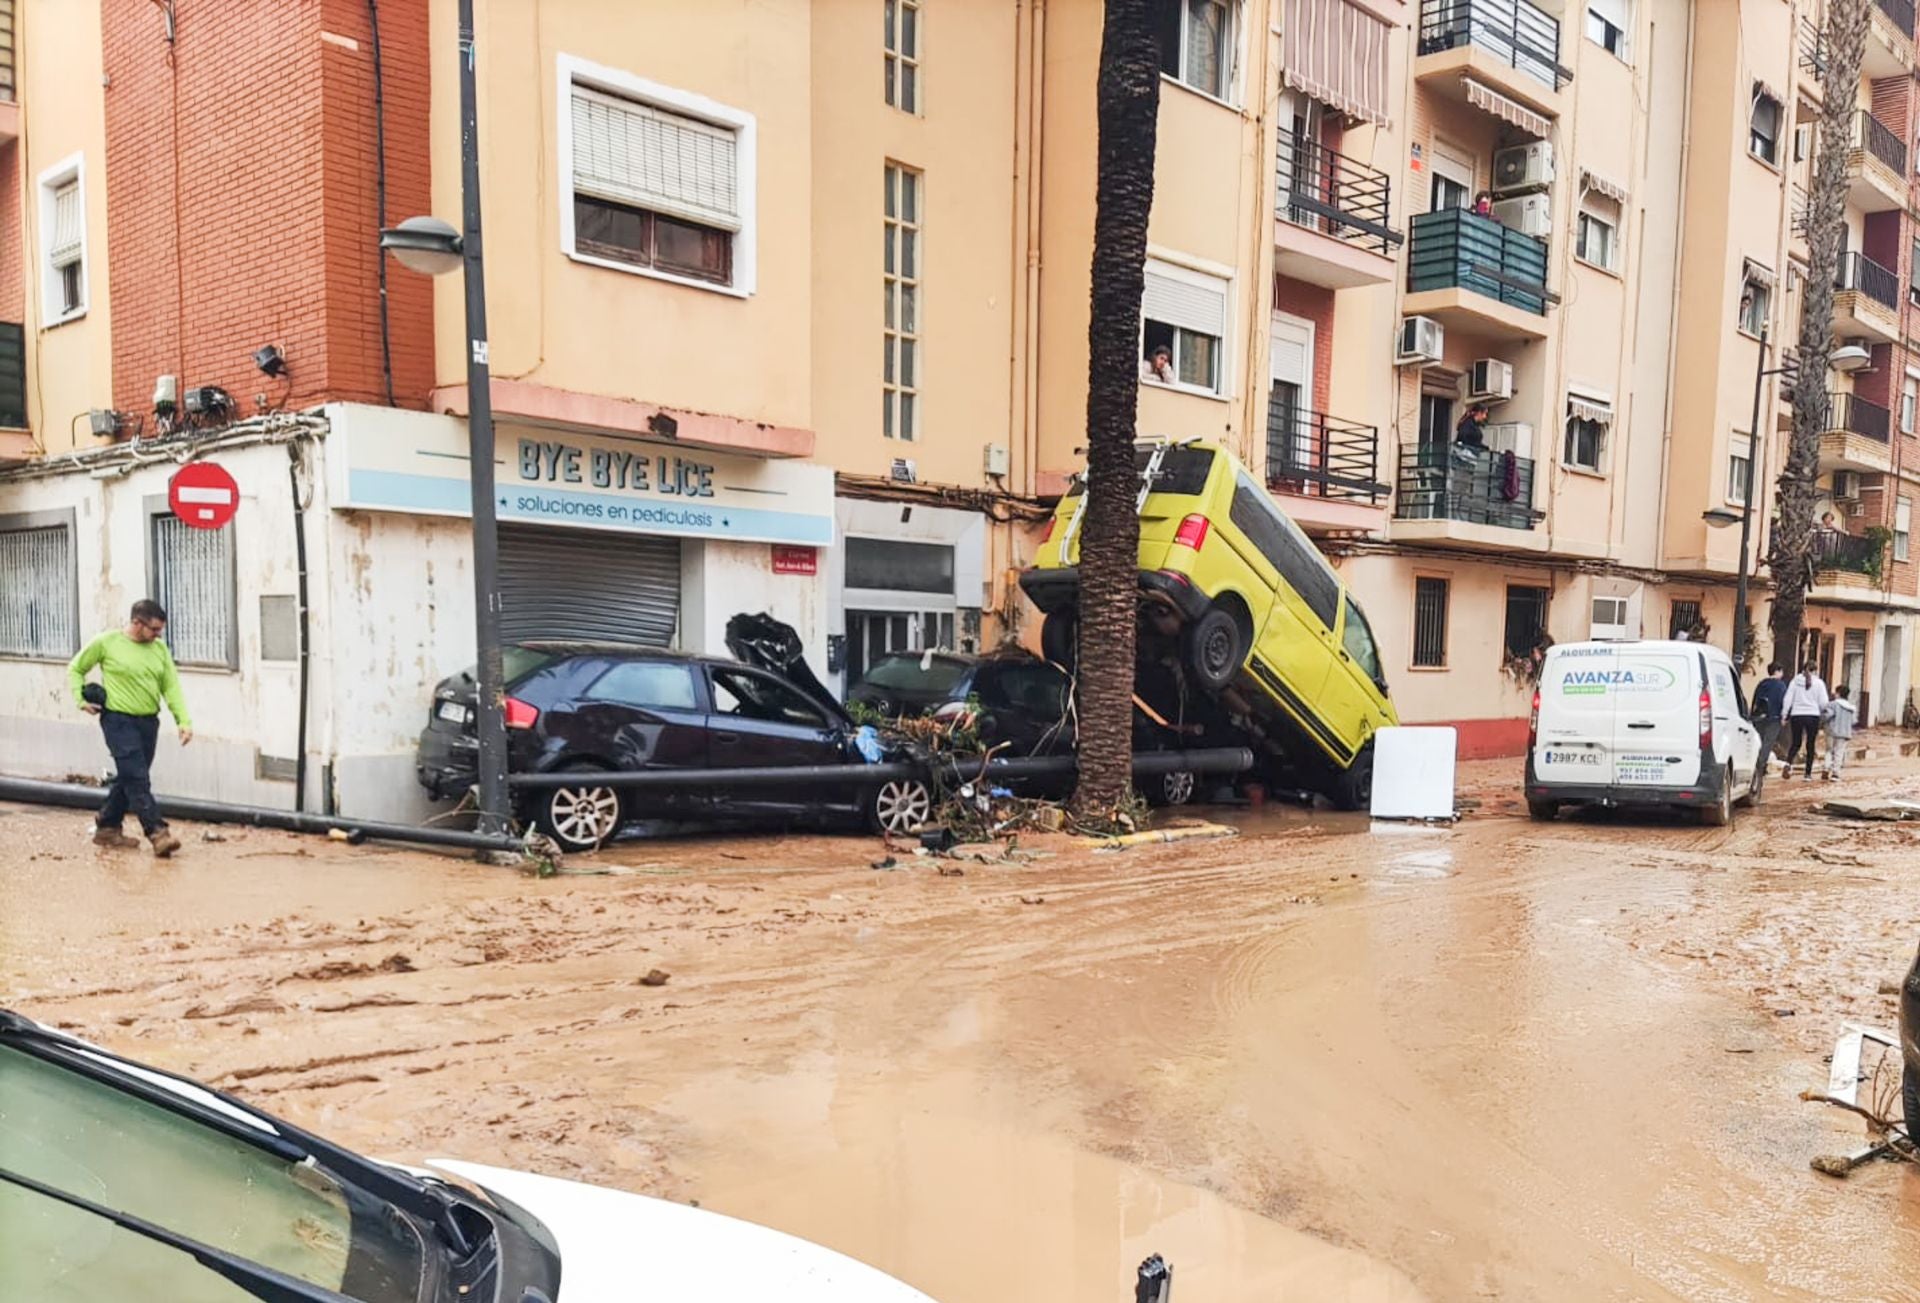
(1769, 717)
(1840, 718)
(1806, 706)
(136, 675)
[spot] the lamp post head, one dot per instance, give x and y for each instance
(1849, 358)
(1720, 517)
(424, 244)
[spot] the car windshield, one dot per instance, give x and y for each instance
(904, 674)
(1182, 470)
(111, 1148)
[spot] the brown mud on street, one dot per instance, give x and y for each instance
(1316, 1061)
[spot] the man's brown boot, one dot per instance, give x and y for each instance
(113, 839)
(164, 843)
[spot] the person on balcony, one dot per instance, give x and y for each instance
(1470, 434)
(1483, 205)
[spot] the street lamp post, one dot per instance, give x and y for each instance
(429, 245)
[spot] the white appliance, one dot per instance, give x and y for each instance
(1846, 486)
(1527, 214)
(1490, 380)
(995, 459)
(1422, 342)
(1515, 437)
(1523, 167)
(1609, 620)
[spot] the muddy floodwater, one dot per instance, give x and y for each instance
(1315, 1061)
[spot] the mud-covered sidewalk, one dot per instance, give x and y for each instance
(1500, 1060)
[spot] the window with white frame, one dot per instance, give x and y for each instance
(662, 180)
(903, 54)
(1589, 418)
(63, 239)
(1909, 402)
(900, 265)
(1756, 300)
(1739, 468)
(1902, 526)
(1197, 43)
(1763, 126)
(1608, 24)
(1597, 232)
(192, 576)
(1185, 313)
(39, 595)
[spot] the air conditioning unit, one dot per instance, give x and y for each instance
(1515, 437)
(904, 471)
(1528, 214)
(1856, 509)
(1609, 622)
(1491, 380)
(1523, 167)
(1422, 342)
(1846, 486)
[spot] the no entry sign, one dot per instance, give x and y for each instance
(203, 495)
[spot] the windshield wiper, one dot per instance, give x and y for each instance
(431, 1203)
(262, 1282)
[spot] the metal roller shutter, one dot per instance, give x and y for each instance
(589, 586)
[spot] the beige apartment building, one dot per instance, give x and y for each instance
(788, 305)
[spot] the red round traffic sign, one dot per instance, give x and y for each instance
(203, 495)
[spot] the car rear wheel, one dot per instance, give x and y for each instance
(1059, 638)
(900, 806)
(1720, 813)
(580, 818)
(1215, 650)
(1543, 811)
(1176, 788)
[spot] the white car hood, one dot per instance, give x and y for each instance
(616, 1246)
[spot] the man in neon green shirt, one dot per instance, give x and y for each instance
(136, 674)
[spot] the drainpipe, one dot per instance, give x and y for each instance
(380, 204)
(1673, 312)
(1036, 143)
(300, 557)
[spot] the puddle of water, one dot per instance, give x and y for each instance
(971, 1210)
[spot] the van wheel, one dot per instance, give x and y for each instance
(580, 818)
(1720, 813)
(1214, 651)
(1543, 811)
(1352, 787)
(1059, 636)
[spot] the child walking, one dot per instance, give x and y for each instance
(1840, 717)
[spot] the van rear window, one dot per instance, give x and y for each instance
(1182, 470)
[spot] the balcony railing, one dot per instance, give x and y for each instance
(1438, 482)
(1813, 48)
(7, 21)
(1326, 191)
(1457, 248)
(1518, 34)
(1856, 272)
(1901, 12)
(1874, 136)
(1853, 553)
(1856, 415)
(1320, 456)
(1798, 208)
(13, 376)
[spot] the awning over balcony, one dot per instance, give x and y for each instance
(1337, 53)
(1509, 111)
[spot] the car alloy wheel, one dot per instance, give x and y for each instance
(902, 805)
(583, 817)
(1177, 787)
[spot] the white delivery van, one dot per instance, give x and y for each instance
(1640, 723)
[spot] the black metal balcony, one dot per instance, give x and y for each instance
(1813, 48)
(1457, 248)
(1874, 136)
(1900, 11)
(1856, 272)
(1856, 415)
(13, 376)
(1798, 208)
(1853, 553)
(1325, 191)
(1442, 482)
(1315, 455)
(1518, 34)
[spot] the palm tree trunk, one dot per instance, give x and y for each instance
(1791, 545)
(1129, 107)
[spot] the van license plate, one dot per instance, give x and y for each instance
(453, 712)
(1573, 757)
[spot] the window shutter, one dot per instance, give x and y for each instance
(631, 153)
(1200, 308)
(1614, 11)
(69, 225)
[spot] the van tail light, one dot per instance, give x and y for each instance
(1047, 533)
(520, 714)
(1533, 722)
(1706, 720)
(1192, 533)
